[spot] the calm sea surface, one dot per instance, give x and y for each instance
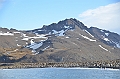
(60, 73)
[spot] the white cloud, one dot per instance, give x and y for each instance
(105, 17)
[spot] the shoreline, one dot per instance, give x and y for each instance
(84, 68)
(102, 65)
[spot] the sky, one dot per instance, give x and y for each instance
(33, 14)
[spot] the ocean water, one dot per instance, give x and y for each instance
(60, 73)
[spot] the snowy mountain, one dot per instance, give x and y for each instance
(66, 41)
(107, 37)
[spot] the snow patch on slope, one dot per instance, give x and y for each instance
(101, 30)
(67, 37)
(26, 38)
(106, 39)
(16, 32)
(61, 32)
(89, 33)
(45, 48)
(66, 26)
(18, 45)
(35, 46)
(87, 38)
(6, 34)
(58, 33)
(103, 47)
(117, 44)
(107, 34)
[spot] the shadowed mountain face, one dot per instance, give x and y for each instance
(66, 41)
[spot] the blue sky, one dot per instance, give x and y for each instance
(32, 14)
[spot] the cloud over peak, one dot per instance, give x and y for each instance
(105, 17)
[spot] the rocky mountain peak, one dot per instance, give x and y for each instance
(60, 28)
(64, 25)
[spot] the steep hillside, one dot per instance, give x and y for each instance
(66, 41)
